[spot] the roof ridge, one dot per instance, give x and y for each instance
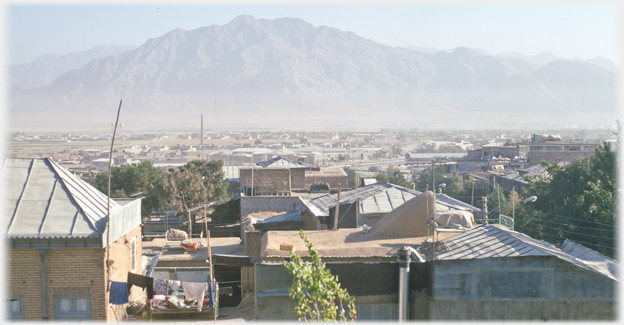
(84, 193)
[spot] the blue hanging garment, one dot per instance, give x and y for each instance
(118, 293)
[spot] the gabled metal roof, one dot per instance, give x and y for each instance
(379, 197)
(44, 200)
(281, 162)
(445, 202)
(489, 241)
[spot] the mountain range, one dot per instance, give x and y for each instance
(287, 73)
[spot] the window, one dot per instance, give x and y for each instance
(537, 148)
(133, 250)
(72, 307)
(15, 307)
(573, 148)
(248, 191)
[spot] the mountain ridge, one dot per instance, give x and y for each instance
(286, 70)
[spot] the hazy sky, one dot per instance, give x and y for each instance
(568, 29)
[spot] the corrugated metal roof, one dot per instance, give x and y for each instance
(492, 241)
(281, 162)
(44, 200)
(379, 197)
(445, 202)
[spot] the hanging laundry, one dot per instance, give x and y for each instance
(195, 291)
(174, 284)
(118, 293)
(143, 282)
(160, 286)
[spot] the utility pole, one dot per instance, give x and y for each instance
(433, 174)
(485, 209)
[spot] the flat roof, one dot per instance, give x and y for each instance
(346, 243)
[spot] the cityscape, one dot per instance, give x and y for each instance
(267, 167)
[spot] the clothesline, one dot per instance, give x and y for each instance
(191, 291)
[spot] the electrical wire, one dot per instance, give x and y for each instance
(598, 223)
(569, 225)
(578, 241)
(576, 233)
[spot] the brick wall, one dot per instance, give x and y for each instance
(536, 157)
(69, 272)
(267, 181)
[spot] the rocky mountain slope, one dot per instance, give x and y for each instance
(288, 73)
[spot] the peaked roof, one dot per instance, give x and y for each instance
(379, 197)
(44, 200)
(492, 241)
(281, 162)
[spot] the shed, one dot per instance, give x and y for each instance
(491, 272)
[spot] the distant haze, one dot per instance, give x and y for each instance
(287, 73)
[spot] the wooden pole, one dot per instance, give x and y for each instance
(337, 209)
(210, 257)
(110, 158)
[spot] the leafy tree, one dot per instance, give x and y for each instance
(462, 189)
(425, 179)
(351, 177)
(577, 202)
(316, 292)
(181, 191)
(212, 175)
(129, 179)
(258, 141)
(393, 176)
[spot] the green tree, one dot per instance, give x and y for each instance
(462, 189)
(258, 141)
(130, 179)
(212, 175)
(577, 202)
(181, 191)
(425, 178)
(351, 177)
(316, 292)
(393, 176)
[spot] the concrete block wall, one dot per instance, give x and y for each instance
(251, 204)
(69, 272)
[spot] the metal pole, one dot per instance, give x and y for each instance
(404, 261)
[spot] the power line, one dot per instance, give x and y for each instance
(580, 241)
(569, 225)
(576, 233)
(598, 223)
